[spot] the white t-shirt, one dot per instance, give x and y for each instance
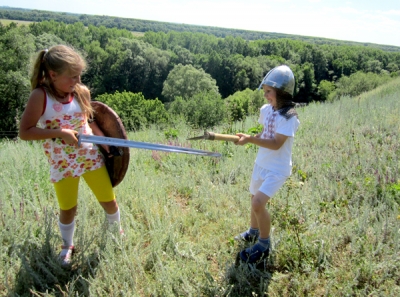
(279, 161)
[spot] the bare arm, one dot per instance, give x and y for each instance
(28, 129)
(272, 143)
(95, 129)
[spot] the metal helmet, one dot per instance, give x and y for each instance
(280, 77)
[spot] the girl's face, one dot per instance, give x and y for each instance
(66, 82)
(270, 95)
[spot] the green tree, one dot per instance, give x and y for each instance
(203, 110)
(181, 56)
(373, 66)
(305, 81)
(47, 40)
(187, 81)
(244, 103)
(325, 88)
(358, 83)
(320, 64)
(16, 47)
(134, 110)
(135, 66)
(392, 67)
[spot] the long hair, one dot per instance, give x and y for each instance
(60, 59)
(284, 103)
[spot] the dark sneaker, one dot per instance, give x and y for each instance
(254, 254)
(247, 237)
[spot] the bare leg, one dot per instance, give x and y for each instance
(253, 218)
(110, 207)
(260, 214)
(112, 213)
(67, 216)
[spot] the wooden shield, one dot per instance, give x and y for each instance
(111, 125)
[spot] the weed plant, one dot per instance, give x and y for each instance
(335, 221)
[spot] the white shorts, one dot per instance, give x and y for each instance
(265, 181)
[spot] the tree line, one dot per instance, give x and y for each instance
(181, 73)
(138, 25)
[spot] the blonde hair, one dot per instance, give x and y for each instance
(60, 59)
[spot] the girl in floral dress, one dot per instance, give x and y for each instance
(57, 110)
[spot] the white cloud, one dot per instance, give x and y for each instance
(392, 12)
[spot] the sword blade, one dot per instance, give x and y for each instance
(143, 145)
(197, 137)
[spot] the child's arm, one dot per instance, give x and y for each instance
(28, 129)
(95, 129)
(272, 143)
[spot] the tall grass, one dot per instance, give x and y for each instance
(335, 221)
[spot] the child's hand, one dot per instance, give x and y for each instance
(69, 136)
(244, 138)
(107, 149)
(112, 151)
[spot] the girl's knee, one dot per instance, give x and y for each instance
(71, 210)
(67, 215)
(259, 201)
(110, 207)
(257, 206)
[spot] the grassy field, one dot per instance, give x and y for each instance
(336, 221)
(6, 22)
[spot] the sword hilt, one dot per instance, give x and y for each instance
(114, 151)
(223, 137)
(79, 140)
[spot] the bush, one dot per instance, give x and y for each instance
(203, 110)
(244, 103)
(325, 88)
(358, 83)
(134, 110)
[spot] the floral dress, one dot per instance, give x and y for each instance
(66, 160)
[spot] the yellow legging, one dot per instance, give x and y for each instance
(97, 180)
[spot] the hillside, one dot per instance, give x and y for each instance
(138, 25)
(335, 221)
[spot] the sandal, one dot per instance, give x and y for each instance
(66, 254)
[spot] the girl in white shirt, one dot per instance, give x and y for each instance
(274, 159)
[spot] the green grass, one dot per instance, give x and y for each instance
(6, 22)
(335, 221)
(137, 34)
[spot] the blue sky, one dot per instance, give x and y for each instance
(356, 20)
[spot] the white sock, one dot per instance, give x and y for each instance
(112, 218)
(67, 233)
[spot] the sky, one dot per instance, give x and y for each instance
(355, 20)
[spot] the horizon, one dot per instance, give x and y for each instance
(374, 23)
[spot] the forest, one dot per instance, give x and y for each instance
(138, 25)
(206, 76)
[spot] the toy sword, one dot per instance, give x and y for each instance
(110, 141)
